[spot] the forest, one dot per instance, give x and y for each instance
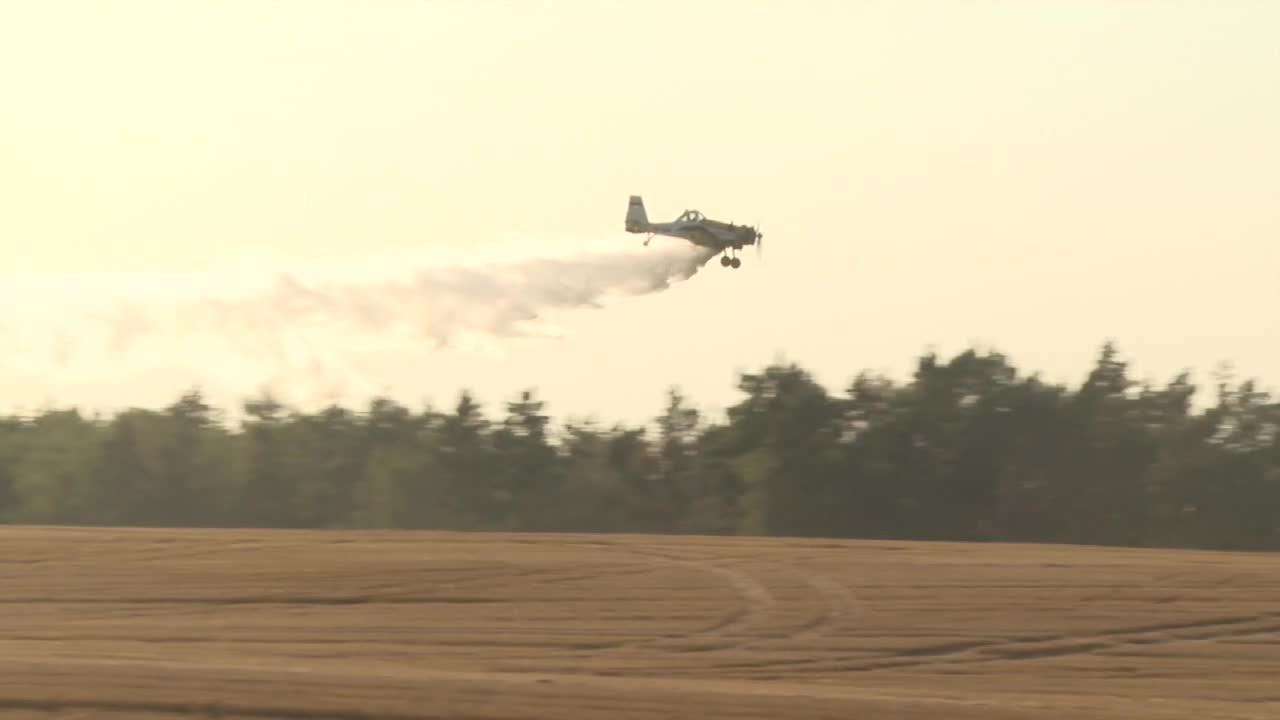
(968, 448)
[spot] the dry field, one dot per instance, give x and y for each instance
(257, 624)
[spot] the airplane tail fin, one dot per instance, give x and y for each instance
(637, 219)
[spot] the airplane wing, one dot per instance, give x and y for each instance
(706, 237)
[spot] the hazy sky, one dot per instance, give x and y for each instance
(1034, 176)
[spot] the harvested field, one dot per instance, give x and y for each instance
(120, 623)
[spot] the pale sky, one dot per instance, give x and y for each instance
(1036, 177)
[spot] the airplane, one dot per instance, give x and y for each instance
(726, 238)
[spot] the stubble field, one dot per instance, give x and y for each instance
(255, 624)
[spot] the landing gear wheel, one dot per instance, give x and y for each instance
(724, 260)
(736, 263)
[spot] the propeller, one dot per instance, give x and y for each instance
(759, 242)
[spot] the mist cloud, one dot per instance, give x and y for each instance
(296, 331)
(435, 303)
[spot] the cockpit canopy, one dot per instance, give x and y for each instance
(690, 216)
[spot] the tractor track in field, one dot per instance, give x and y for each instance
(739, 627)
(1035, 647)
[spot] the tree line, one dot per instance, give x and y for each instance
(968, 448)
